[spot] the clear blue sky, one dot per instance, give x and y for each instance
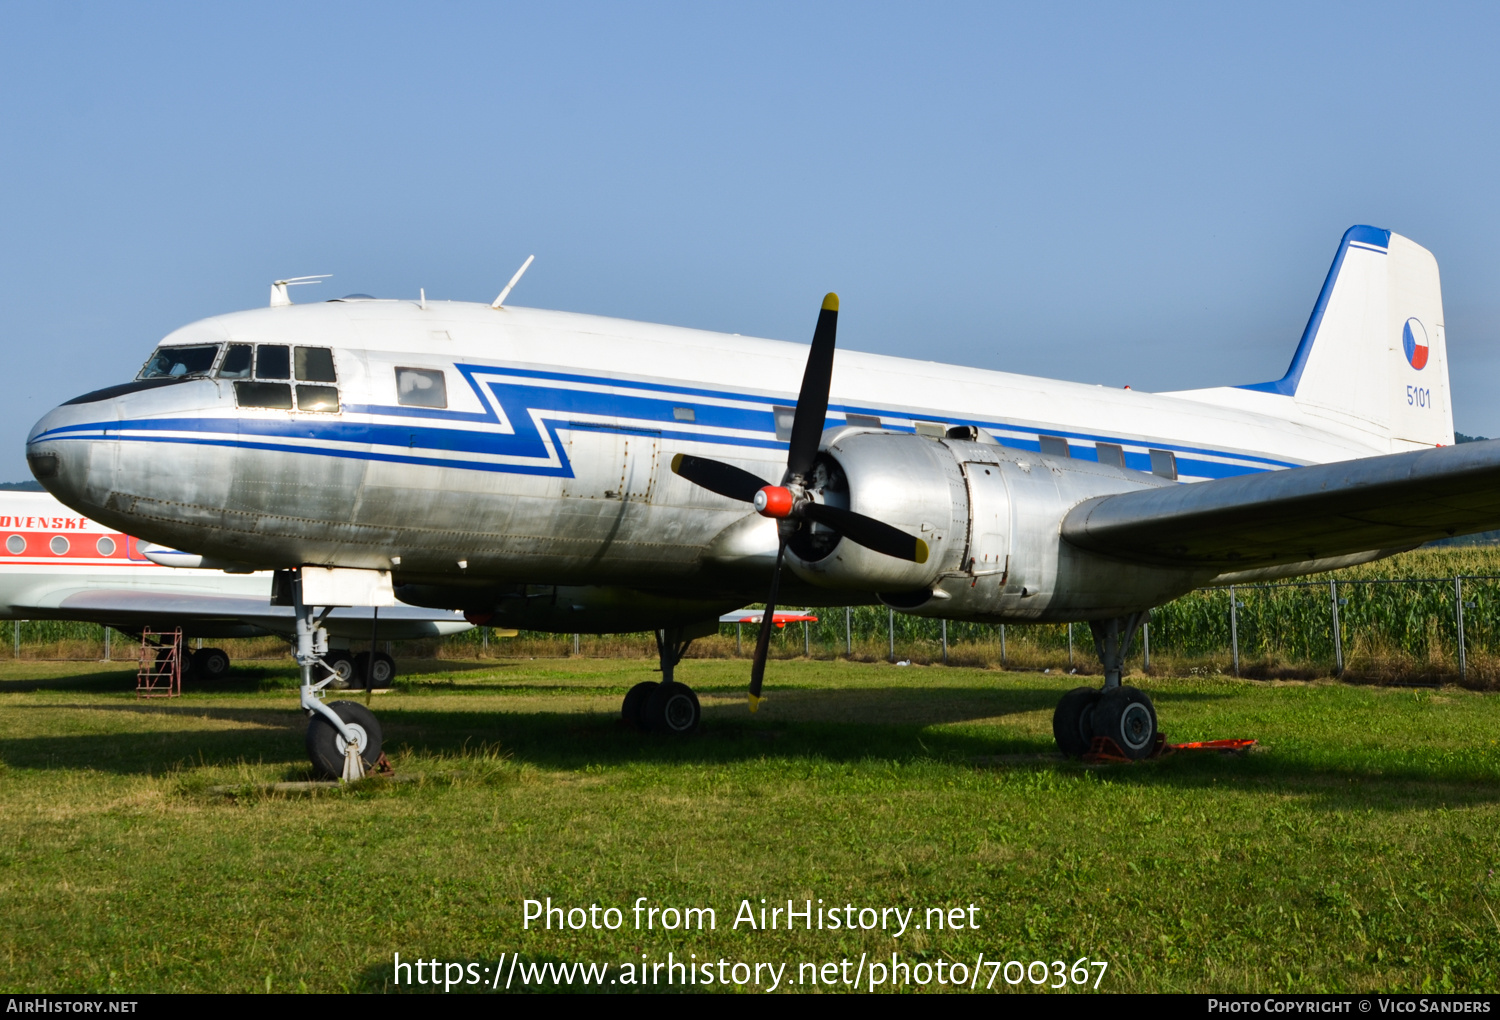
(1122, 193)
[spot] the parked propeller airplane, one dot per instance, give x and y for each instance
(55, 565)
(568, 472)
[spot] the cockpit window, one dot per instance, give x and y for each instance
(273, 361)
(236, 363)
(180, 362)
(315, 364)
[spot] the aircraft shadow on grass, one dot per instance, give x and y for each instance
(897, 724)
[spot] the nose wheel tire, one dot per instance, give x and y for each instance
(1126, 716)
(325, 745)
(669, 708)
(1073, 721)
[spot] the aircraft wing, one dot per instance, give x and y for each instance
(160, 608)
(1389, 502)
(780, 617)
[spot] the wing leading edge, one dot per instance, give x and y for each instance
(1389, 502)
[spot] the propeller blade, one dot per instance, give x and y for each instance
(867, 531)
(763, 642)
(716, 476)
(812, 399)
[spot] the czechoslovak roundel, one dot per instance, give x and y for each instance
(1414, 341)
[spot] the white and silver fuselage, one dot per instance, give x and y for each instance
(547, 462)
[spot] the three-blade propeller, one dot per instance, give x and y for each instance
(790, 503)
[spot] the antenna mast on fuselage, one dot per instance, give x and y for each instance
(513, 281)
(280, 298)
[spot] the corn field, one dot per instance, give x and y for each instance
(1397, 623)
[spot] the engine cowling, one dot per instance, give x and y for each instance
(907, 481)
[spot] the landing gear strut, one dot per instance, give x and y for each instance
(343, 739)
(668, 707)
(1123, 714)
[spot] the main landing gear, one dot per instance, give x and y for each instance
(667, 707)
(343, 738)
(1123, 714)
(353, 670)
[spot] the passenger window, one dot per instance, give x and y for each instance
(318, 398)
(180, 362)
(236, 363)
(864, 421)
(1164, 463)
(1054, 446)
(1111, 454)
(273, 361)
(315, 364)
(784, 417)
(421, 387)
(264, 394)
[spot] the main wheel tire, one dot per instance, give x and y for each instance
(382, 671)
(633, 708)
(1072, 721)
(672, 709)
(342, 664)
(209, 664)
(1126, 716)
(325, 746)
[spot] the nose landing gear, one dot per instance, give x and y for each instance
(343, 739)
(1123, 714)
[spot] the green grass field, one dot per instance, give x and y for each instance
(1355, 850)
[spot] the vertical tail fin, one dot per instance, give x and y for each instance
(1373, 357)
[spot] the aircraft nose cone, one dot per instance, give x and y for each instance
(57, 457)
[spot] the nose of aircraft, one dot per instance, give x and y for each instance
(60, 453)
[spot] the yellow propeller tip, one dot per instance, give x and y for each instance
(677, 464)
(831, 303)
(921, 551)
(755, 700)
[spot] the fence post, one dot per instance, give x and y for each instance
(106, 643)
(1070, 647)
(848, 630)
(17, 653)
(1002, 646)
(484, 642)
(892, 626)
(1458, 615)
(1338, 640)
(945, 642)
(1234, 630)
(806, 641)
(1146, 643)
(577, 640)
(739, 632)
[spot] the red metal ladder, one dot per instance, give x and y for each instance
(160, 671)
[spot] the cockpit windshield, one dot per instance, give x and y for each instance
(180, 362)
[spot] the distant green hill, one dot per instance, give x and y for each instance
(32, 486)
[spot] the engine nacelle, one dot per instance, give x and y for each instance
(991, 516)
(907, 481)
